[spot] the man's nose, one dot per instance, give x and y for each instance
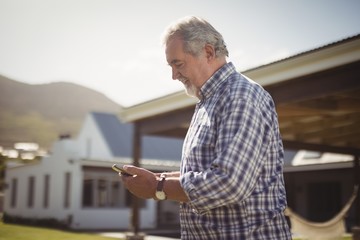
(175, 73)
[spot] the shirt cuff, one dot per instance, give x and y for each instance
(198, 206)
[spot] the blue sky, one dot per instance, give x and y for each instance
(113, 46)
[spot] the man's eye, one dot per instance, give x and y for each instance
(179, 65)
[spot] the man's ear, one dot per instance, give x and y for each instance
(210, 52)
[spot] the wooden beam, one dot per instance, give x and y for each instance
(335, 80)
(165, 122)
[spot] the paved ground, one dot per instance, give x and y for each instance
(146, 237)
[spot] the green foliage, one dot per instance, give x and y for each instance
(28, 127)
(17, 232)
(46, 222)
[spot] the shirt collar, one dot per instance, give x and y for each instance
(216, 80)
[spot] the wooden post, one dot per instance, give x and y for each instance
(356, 227)
(135, 201)
(357, 182)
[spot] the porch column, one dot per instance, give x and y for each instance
(356, 228)
(357, 182)
(134, 200)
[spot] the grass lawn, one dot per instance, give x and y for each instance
(19, 232)
(346, 237)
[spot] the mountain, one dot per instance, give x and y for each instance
(40, 113)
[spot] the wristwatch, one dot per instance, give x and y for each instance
(160, 194)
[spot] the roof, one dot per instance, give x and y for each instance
(317, 95)
(115, 134)
(314, 60)
(339, 42)
(119, 138)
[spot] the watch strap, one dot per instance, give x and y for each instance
(160, 185)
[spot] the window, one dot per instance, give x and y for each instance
(129, 200)
(103, 189)
(46, 191)
(102, 193)
(13, 192)
(67, 190)
(324, 200)
(116, 200)
(31, 191)
(87, 195)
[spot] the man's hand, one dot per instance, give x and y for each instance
(142, 184)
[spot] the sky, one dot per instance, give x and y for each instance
(114, 46)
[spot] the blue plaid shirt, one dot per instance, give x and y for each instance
(232, 163)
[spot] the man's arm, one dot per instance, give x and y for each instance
(174, 191)
(169, 174)
(144, 182)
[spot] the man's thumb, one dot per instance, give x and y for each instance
(131, 169)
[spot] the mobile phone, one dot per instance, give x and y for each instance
(120, 170)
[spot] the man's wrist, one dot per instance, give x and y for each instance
(159, 193)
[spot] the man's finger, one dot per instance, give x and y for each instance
(132, 169)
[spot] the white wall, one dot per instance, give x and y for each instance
(65, 159)
(114, 218)
(56, 166)
(91, 144)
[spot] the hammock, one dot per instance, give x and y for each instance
(329, 230)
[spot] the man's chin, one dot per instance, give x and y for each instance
(190, 92)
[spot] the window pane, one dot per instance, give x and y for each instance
(31, 190)
(46, 190)
(13, 192)
(88, 193)
(67, 190)
(130, 198)
(324, 200)
(102, 193)
(115, 200)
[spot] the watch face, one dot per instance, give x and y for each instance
(160, 195)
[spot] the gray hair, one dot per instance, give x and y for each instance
(196, 33)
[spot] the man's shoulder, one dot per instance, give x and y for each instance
(243, 86)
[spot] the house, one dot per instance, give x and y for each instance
(76, 186)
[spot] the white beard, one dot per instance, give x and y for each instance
(190, 89)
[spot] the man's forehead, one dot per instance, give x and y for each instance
(174, 50)
(174, 43)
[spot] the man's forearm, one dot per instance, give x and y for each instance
(173, 190)
(172, 174)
